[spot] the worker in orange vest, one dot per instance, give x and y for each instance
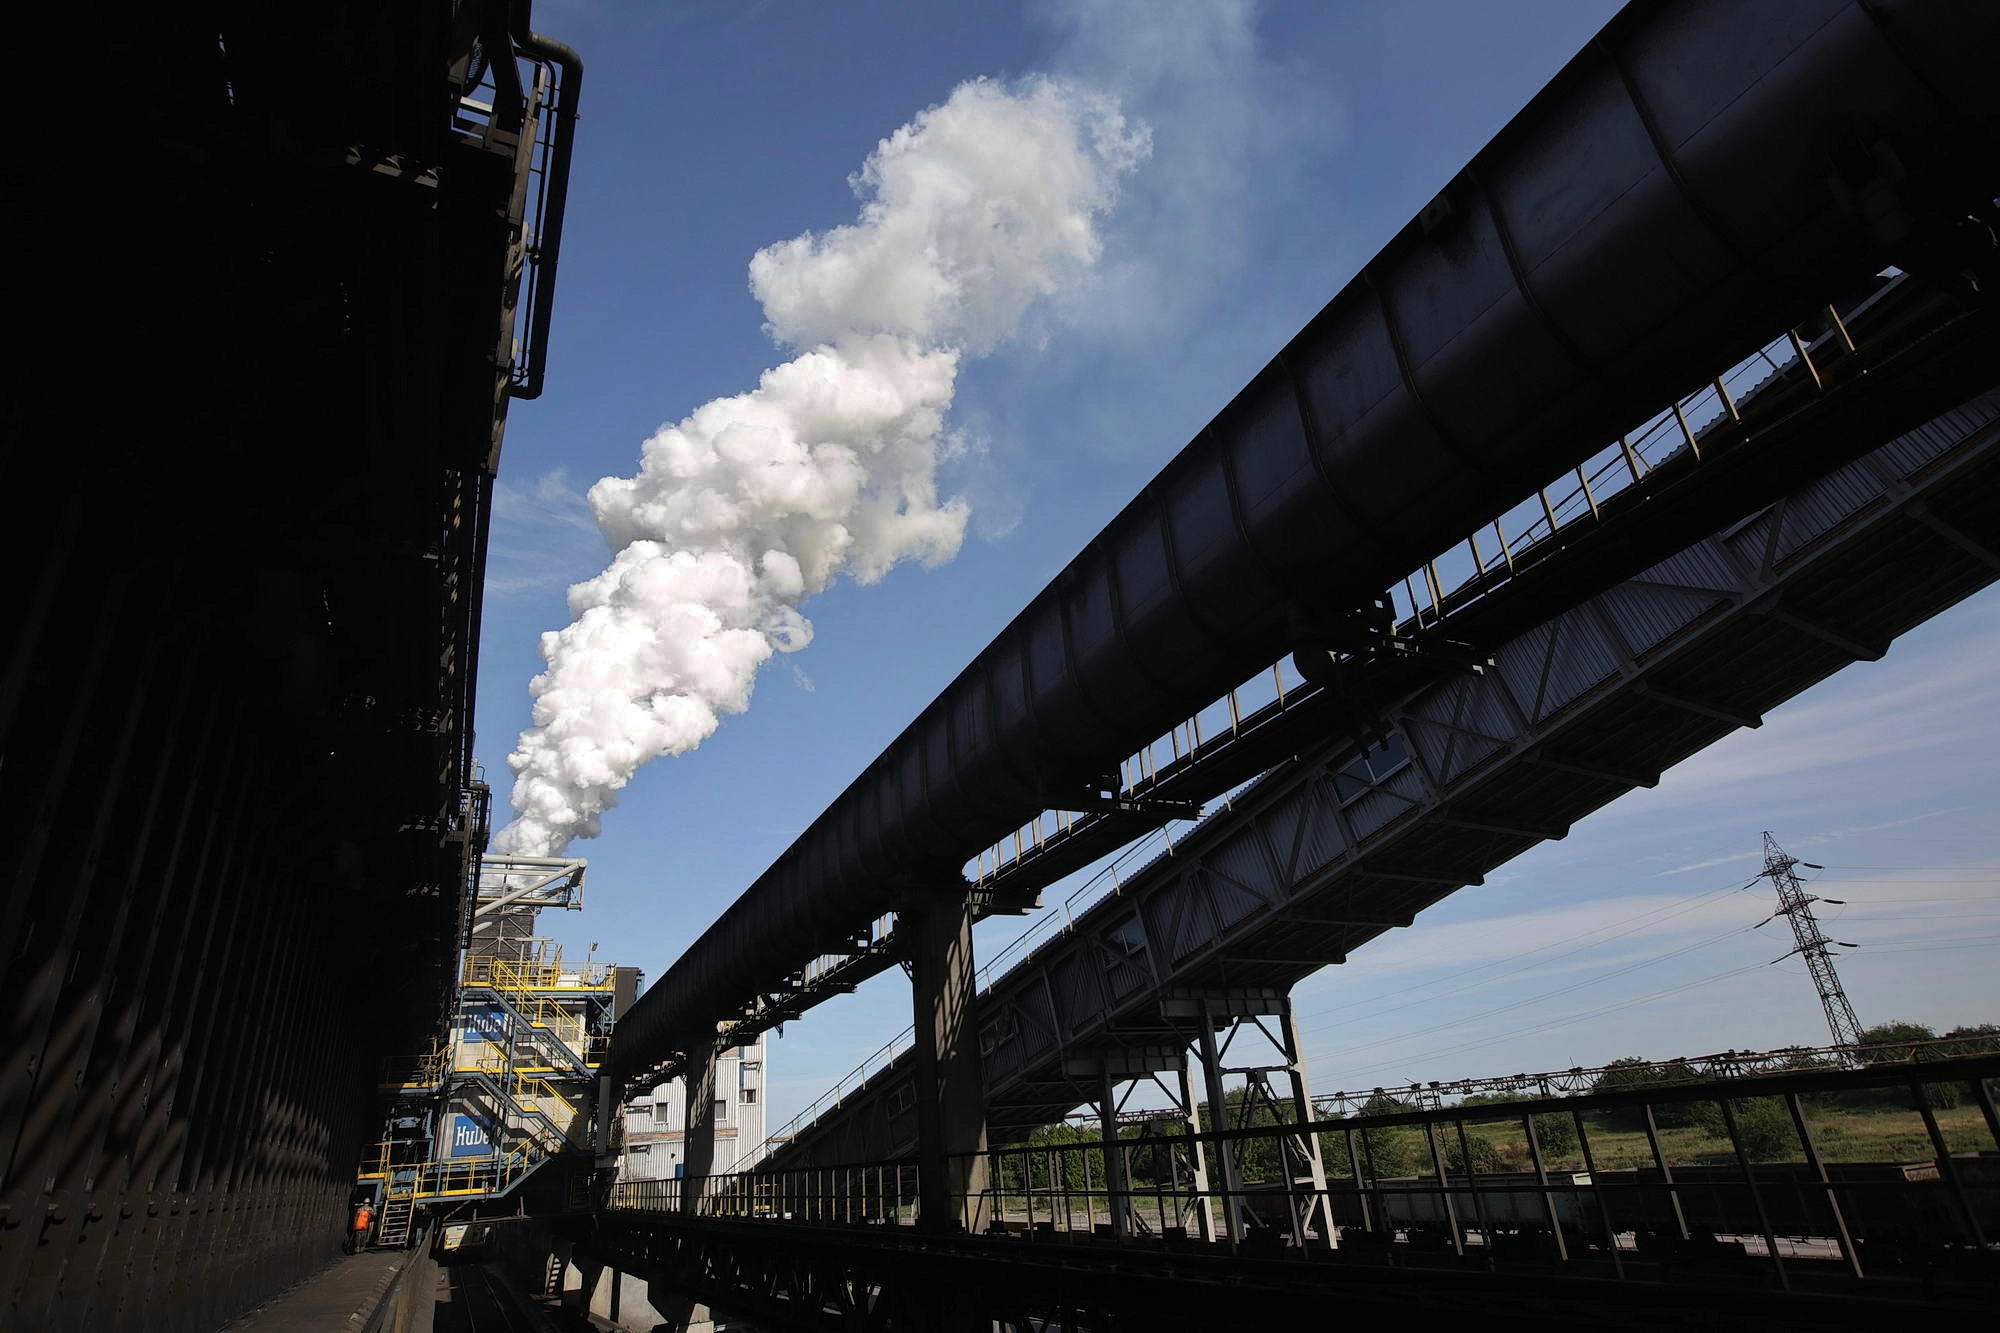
(364, 1218)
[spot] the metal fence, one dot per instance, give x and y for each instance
(1885, 1170)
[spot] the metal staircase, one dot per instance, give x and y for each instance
(398, 1212)
(508, 1089)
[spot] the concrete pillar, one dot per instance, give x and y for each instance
(698, 1120)
(951, 1095)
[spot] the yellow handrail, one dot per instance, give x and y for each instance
(542, 970)
(544, 990)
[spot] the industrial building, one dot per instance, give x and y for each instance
(655, 1142)
(256, 964)
(500, 1115)
(296, 267)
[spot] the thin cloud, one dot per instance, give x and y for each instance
(1889, 713)
(1457, 947)
(542, 537)
(1815, 840)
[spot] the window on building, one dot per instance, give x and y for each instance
(749, 1096)
(722, 1108)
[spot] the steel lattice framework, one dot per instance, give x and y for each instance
(1349, 841)
(1795, 905)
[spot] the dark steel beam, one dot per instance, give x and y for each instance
(1538, 755)
(1957, 536)
(1860, 652)
(1444, 385)
(1513, 828)
(1419, 875)
(1647, 689)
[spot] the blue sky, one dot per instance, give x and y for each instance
(1288, 142)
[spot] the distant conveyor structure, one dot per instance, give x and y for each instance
(1702, 177)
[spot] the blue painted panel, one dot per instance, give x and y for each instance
(486, 1022)
(469, 1136)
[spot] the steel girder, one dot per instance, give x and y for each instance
(1332, 850)
(1654, 214)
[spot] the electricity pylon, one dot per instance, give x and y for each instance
(1795, 904)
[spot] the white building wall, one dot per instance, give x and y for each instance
(656, 1123)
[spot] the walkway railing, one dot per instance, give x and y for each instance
(1799, 364)
(1888, 1172)
(1049, 925)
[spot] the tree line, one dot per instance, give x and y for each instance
(1061, 1156)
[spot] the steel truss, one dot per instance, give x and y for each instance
(1348, 842)
(238, 798)
(1661, 1242)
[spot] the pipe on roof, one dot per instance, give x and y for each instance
(1694, 182)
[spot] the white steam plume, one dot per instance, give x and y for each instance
(969, 214)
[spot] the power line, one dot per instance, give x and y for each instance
(1595, 937)
(1898, 902)
(1550, 1025)
(1939, 869)
(1547, 995)
(1918, 879)
(1847, 919)
(1933, 939)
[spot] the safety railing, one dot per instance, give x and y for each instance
(375, 1161)
(416, 1073)
(1888, 1172)
(538, 1096)
(483, 1057)
(542, 969)
(554, 998)
(1101, 884)
(1797, 364)
(1718, 1065)
(468, 1177)
(879, 1192)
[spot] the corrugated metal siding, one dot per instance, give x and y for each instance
(1757, 656)
(1648, 614)
(1911, 452)
(1316, 836)
(1585, 658)
(1241, 859)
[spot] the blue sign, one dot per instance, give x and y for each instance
(470, 1137)
(486, 1022)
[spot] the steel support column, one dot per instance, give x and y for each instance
(697, 1126)
(1202, 1205)
(1236, 1013)
(1234, 1224)
(1305, 1164)
(951, 1097)
(1117, 1180)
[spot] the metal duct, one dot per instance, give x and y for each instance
(1690, 185)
